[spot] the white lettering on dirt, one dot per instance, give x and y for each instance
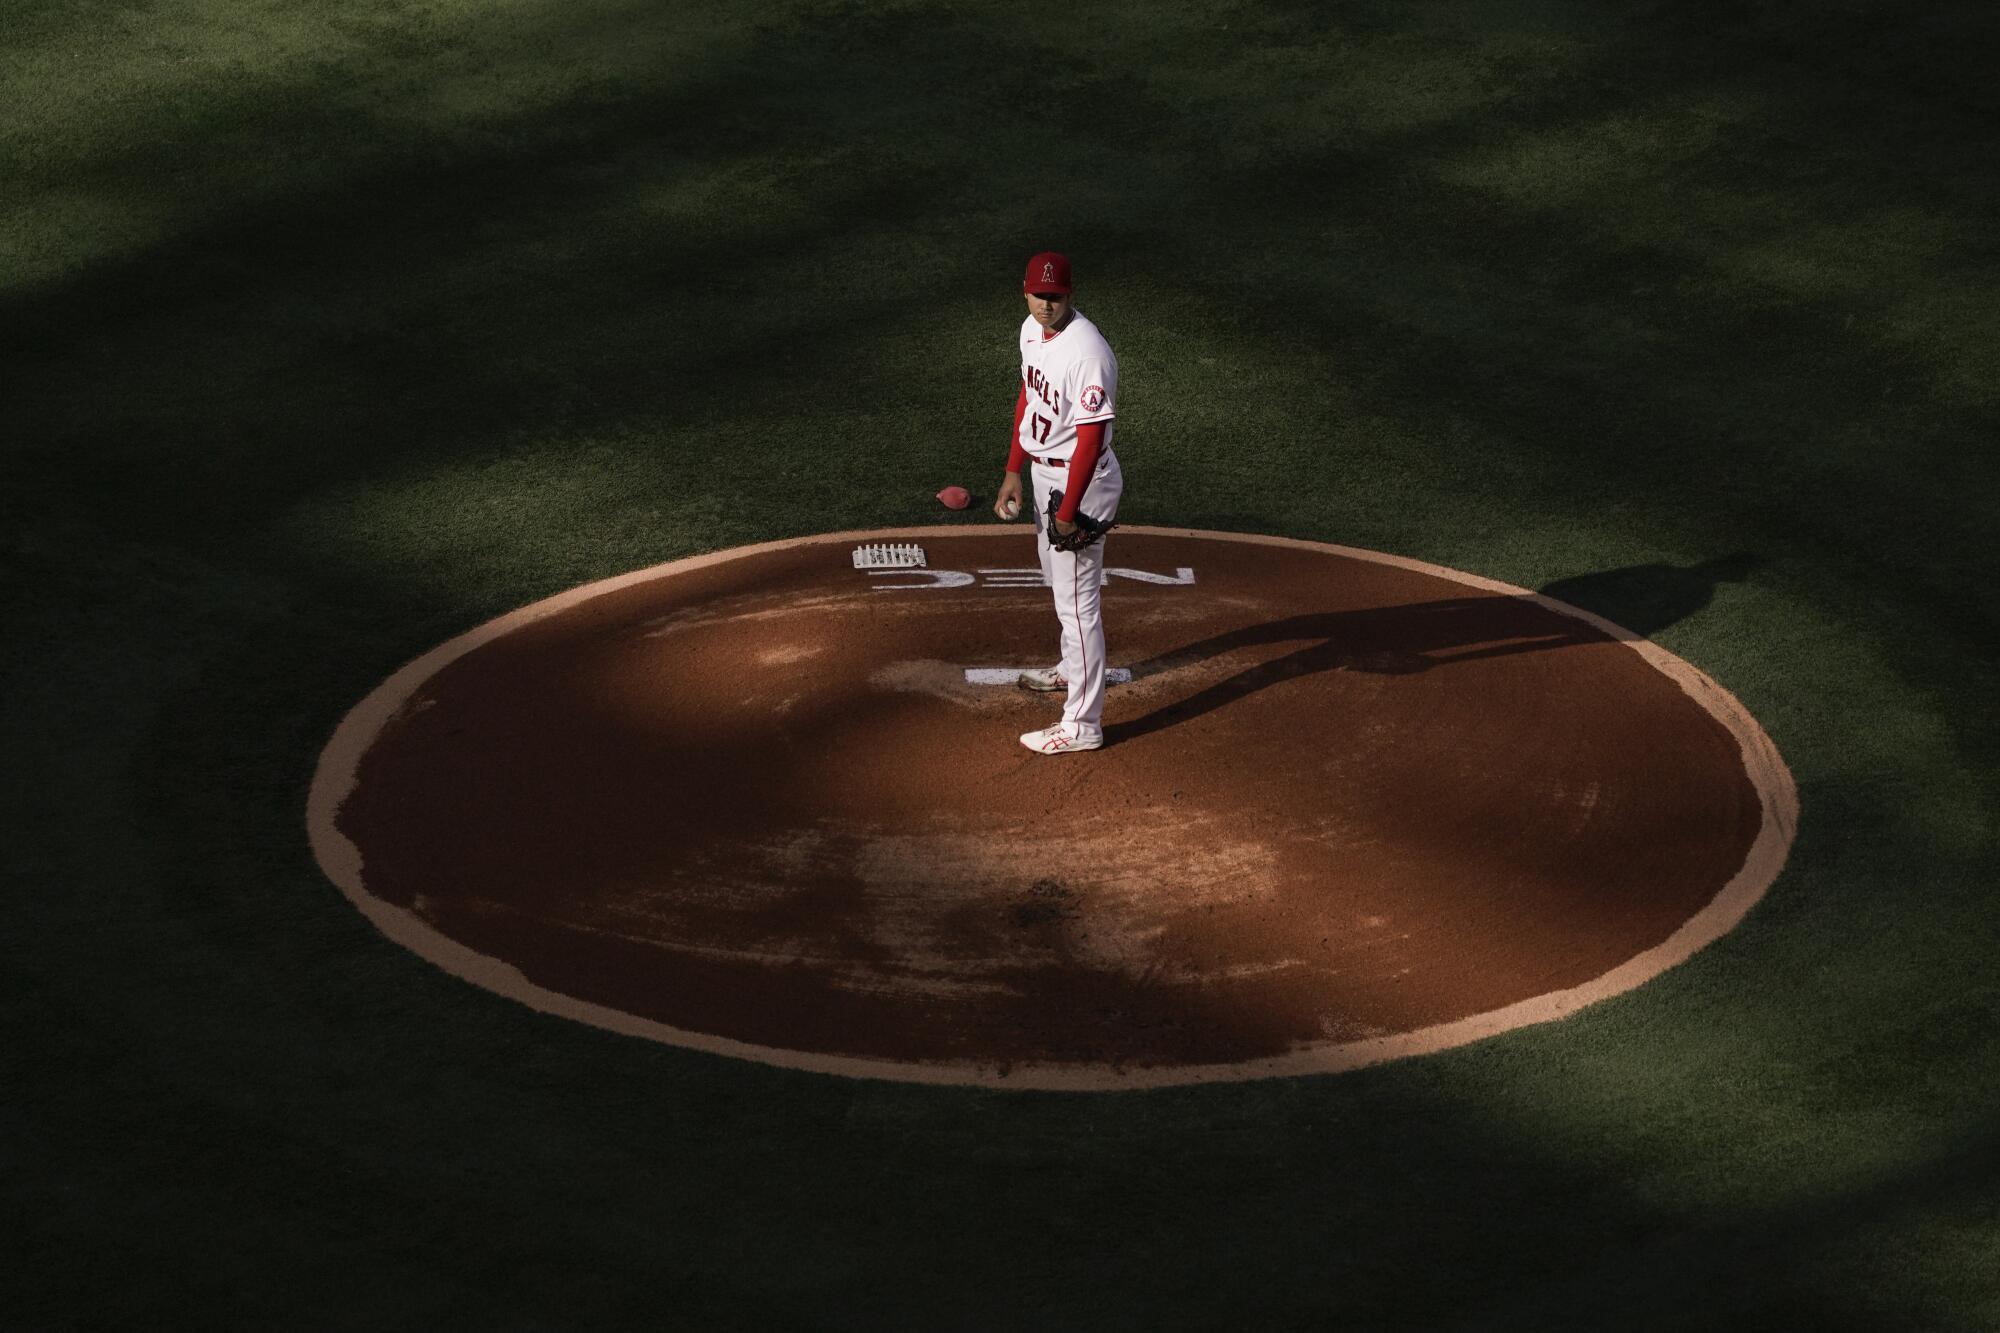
(938, 578)
(1180, 577)
(1012, 578)
(1017, 578)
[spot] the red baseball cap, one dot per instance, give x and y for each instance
(1047, 272)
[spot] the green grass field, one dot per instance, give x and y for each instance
(327, 332)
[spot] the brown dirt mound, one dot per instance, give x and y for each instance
(1348, 807)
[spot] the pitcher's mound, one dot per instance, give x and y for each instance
(1350, 807)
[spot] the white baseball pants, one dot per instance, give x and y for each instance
(1077, 580)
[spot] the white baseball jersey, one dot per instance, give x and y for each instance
(1071, 379)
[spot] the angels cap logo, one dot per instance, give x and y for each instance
(1093, 398)
(1046, 274)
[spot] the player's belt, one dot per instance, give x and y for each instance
(1063, 462)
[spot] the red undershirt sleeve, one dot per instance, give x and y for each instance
(1083, 462)
(1016, 455)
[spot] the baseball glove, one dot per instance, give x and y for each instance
(1088, 529)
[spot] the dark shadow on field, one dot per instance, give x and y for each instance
(239, 1103)
(1646, 599)
(1640, 600)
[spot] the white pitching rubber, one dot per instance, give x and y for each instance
(1008, 675)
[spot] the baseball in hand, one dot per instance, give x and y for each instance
(1012, 509)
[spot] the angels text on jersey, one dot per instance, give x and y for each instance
(1039, 384)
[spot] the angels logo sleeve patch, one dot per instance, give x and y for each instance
(1095, 388)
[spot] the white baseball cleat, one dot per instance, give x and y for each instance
(1045, 681)
(1061, 739)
